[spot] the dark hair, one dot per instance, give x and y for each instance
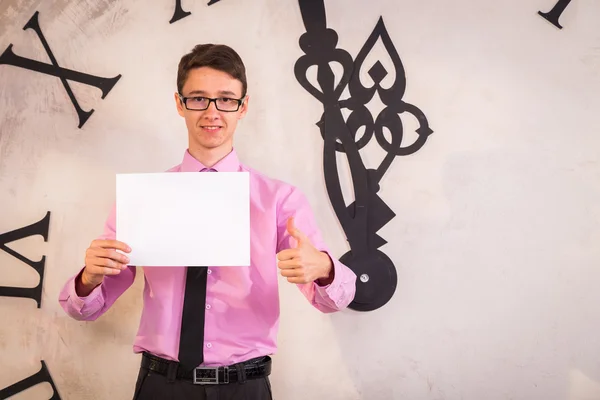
(217, 56)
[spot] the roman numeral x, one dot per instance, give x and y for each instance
(104, 84)
(39, 228)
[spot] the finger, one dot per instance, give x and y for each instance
(287, 254)
(295, 233)
(95, 270)
(293, 242)
(111, 244)
(289, 273)
(291, 227)
(294, 263)
(116, 256)
(108, 253)
(110, 271)
(107, 263)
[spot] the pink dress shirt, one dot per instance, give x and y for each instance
(242, 303)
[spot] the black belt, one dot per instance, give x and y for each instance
(252, 369)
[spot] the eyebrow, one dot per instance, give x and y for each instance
(203, 93)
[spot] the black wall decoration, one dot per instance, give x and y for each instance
(180, 14)
(43, 375)
(553, 15)
(104, 84)
(368, 213)
(38, 228)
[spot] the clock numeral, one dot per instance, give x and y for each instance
(553, 15)
(39, 228)
(181, 14)
(43, 375)
(104, 84)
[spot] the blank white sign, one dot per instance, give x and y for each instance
(185, 218)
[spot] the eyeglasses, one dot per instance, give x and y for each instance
(225, 104)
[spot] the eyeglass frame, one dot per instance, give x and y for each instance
(184, 100)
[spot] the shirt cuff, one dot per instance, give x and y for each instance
(333, 289)
(79, 303)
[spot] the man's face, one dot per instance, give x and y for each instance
(211, 128)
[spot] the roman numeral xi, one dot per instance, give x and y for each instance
(104, 84)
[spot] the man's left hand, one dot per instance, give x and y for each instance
(302, 262)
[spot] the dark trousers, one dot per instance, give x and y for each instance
(153, 386)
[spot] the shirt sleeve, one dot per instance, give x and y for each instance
(340, 292)
(104, 295)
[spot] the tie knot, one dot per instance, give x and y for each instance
(208, 170)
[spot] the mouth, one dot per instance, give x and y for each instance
(211, 128)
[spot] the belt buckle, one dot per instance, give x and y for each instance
(209, 376)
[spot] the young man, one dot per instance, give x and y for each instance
(207, 333)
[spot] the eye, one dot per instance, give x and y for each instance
(226, 100)
(198, 98)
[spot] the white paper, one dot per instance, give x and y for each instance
(185, 218)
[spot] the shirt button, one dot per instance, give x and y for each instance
(209, 271)
(208, 306)
(209, 345)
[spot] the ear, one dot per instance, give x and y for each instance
(178, 104)
(244, 107)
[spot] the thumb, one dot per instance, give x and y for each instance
(296, 236)
(293, 242)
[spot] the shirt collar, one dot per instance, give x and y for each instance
(229, 163)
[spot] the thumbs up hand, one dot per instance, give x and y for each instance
(302, 262)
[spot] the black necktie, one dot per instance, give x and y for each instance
(191, 341)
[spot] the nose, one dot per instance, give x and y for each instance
(211, 112)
